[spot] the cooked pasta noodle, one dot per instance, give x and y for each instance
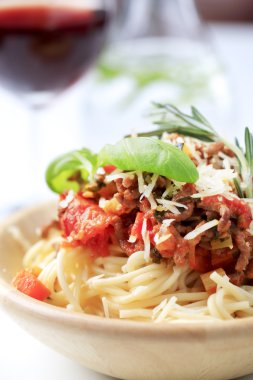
(170, 240)
(131, 288)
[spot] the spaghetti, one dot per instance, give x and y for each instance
(141, 246)
(130, 288)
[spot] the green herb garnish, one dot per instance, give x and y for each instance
(66, 172)
(74, 169)
(150, 155)
(146, 153)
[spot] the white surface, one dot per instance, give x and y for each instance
(22, 357)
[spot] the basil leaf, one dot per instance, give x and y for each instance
(69, 170)
(149, 155)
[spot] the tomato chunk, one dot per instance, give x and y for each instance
(137, 226)
(28, 284)
(109, 168)
(200, 260)
(85, 223)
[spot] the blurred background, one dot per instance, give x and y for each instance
(132, 52)
(184, 52)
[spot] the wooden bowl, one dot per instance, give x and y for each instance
(124, 349)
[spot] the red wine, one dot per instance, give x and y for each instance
(47, 48)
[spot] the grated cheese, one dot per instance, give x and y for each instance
(102, 201)
(171, 206)
(213, 181)
(163, 234)
(191, 235)
(165, 224)
(141, 183)
(69, 198)
(152, 202)
(149, 188)
(132, 239)
(119, 175)
(145, 237)
(191, 146)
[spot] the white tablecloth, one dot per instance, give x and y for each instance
(21, 356)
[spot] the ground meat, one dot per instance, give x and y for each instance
(227, 209)
(128, 194)
(243, 245)
(187, 213)
(237, 278)
(228, 151)
(183, 230)
(214, 148)
(155, 256)
(184, 197)
(128, 182)
(249, 271)
(161, 182)
(224, 222)
(186, 192)
(212, 215)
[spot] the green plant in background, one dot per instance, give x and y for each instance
(189, 80)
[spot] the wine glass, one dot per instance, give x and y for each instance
(46, 46)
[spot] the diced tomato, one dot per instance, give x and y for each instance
(167, 244)
(109, 168)
(99, 245)
(237, 279)
(222, 259)
(200, 260)
(137, 226)
(70, 216)
(87, 224)
(91, 223)
(28, 284)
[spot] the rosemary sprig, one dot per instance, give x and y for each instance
(170, 119)
(249, 148)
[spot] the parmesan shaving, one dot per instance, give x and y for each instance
(152, 202)
(192, 148)
(141, 183)
(102, 202)
(69, 198)
(145, 237)
(213, 181)
(112, 177)
(132, 239)
(191, 235)
(167, 222)
(149, 188)
(171, 206)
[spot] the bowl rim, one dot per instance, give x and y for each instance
(13, 300)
